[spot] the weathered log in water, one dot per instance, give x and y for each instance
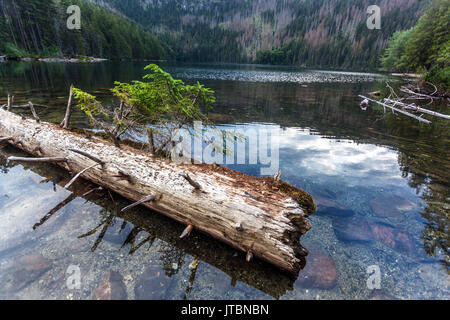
(271, 215)
(256, 274)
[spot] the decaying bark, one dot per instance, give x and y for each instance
(262, 217)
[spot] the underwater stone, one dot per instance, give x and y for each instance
(29, 268)
(319, 272)
(398, 240)
(152, 284)
(352, 229)
(330, 208)
(112, 287)
(390, 207)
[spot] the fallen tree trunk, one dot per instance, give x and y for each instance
(259, 216)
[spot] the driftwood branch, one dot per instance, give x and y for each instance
(137, 203)
(67, 186)
(88, 155)
(249, 256)
(408, 91)
(191, 182)
(187, 231)
(151, 144)
(277, 177)
(10, 102)
(33, 112)
(413, 107)
(123, 176)
(49, 159)
(3, 139)
(65, 123)
(26, 106)
(398, 110)
(92, 191)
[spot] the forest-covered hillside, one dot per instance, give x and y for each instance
(425, 48)
(38, 28)
(319, 33)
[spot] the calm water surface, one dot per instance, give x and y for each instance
(380, 181)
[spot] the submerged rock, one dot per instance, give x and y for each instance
(361, 229)
(330, 208)
(390, 207)
(112, 287)
(394, 238)
(28, 269)
(319, 272)
(152, 284)
(352, 229)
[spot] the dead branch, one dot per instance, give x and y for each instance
(33, 112)
(143, 200)
(413, 107)
(124, 176)
(3, 139)
(398, 110)
(10, 102)
(25, 106)
(189, 179)
(87, 155)
(67, 186)
(50, 159)
(151, 145)
(92, 191)
(65, 123)
(187, 231)
(413, 93)
(249, 256)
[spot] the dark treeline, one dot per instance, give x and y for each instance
(38, 28)
(319, 33)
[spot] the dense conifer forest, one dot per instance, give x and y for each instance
(319, 33)
(38, 28)
(425, 48)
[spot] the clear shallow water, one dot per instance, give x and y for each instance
(380, 181)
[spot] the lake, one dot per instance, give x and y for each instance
(380, 182)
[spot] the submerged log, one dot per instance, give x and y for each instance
(270, 221)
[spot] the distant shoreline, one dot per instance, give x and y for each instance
(70, 60)
(54, 59)
(409, 75)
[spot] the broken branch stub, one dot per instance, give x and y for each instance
(191, 182)
(49, 159)
(33, 112)
(87, 155)
(65, 123)
(137, 203)
(187, 231)
(3, 139)
(67, 186)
